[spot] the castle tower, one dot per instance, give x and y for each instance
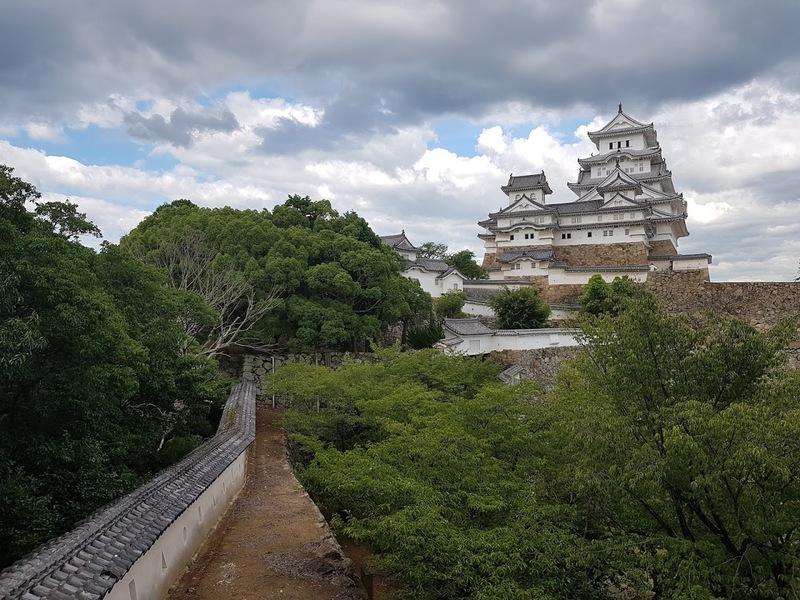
(627, 218)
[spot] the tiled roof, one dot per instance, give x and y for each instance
(399, 241)
(428, 264)
(87, 561)
(681, 256)
(467, 326)
(544, 254)
(620, 152)
(508, 376)
(527, 182)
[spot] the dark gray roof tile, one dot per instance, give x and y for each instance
(467, 326)
(521, 183)
(100, 550)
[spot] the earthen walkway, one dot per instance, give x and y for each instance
(271, 543)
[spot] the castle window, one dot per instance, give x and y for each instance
(599, 218)
(619, 216)
(576, 219)
(627, 231)
(627, 143)
(566, 236)
(608, 233)
(610, 145)
(516, 266)
(588, 234)
(619, 144)
(641, 168)
(511, 237)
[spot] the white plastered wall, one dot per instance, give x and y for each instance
(151, 576)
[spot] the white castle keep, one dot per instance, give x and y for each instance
(627, 218)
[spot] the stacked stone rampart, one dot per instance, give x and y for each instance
(582, 255)
(760, 303)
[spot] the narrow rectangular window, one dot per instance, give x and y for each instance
(511, 236)
(627, 143)
(619, 144)
(610, 145)
(588, 234)
(627, 231)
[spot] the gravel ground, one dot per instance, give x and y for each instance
(273, 542)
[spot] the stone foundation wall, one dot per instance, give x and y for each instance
(760, 303)
(632, 253)
(662, 248)
(541, 365)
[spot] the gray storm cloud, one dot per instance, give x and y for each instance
(423, 58)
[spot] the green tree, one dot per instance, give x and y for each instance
(522, 308)
(464, 261)
(450, 304)
(95, 375)
(335, 285)
(433, 250)
(601, 298)
(428, 459)
(680, 441)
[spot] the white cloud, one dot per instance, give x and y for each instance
(268, 112)
(721, 149)
(46, 132)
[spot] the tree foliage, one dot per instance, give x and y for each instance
(601, 298)
(449, 304)
(681, 441)
(522, 308)
(664, 465)
(427, 458)
(464, 261)
(433, 250)
(94, 376)
(328, 280)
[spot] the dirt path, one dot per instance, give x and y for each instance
(271, 543)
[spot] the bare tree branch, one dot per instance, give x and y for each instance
(192, 266)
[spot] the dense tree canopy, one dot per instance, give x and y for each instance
(599, 297)
(522, 308)
(664, 465)
(98, 385)
(336, 284)
(428, 459)
(464, 261)
(449, 304)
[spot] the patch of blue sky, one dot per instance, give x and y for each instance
(91, 146)
(264, 89)
(457, 135)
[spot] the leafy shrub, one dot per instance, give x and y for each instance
(601, 298)
(425, 336)
(522, 308)
(449, 304)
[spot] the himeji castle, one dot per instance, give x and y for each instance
(627, 218)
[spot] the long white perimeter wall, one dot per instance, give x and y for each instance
(514, 339)
(136, 547)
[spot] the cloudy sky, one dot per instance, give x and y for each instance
(412, 113)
